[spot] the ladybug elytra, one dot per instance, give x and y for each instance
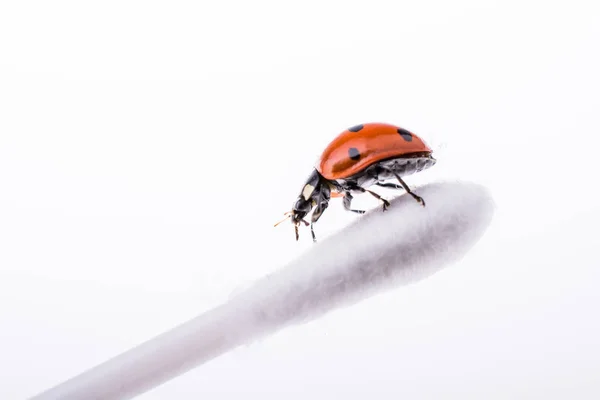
(359, 157)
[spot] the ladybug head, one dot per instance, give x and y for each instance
(314, 194)
(300, 209)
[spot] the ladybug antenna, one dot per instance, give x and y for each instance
(287, 215)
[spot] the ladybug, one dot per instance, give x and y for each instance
(359, 157)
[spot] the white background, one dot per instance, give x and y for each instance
(147, 148)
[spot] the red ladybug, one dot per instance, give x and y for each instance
(359, 157)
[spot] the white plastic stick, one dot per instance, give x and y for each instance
(381, 250)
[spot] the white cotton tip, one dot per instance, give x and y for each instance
(379, 251)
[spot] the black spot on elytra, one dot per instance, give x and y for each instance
(353, 153)
(356, 128)
(406, 135)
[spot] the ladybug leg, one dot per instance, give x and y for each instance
(348, 201)
(386, 203)
(389, 185)
(296, 228)
(315, 217)
(322, 205)
(405, 186)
